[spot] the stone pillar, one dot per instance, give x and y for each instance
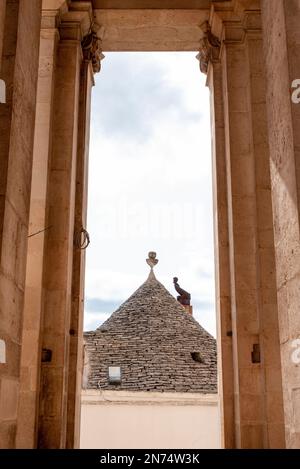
(66, 202)
(222, 273)
(254, 306)
(280, 21)
(271, 370)
(59, 247)
(258, 410)
(89, 66)
(258, 404)
(19, 69)
(31, 341)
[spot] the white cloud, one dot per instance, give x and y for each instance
(151, 192)
(93, 320)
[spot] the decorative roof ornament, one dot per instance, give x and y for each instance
(184, 297)
(152, 261)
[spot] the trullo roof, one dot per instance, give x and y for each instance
(156, 343)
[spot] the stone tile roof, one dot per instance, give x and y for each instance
(151, 337)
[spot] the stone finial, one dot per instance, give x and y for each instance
(152, 261)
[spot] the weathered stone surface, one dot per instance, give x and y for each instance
(282, 64)
(19, 49)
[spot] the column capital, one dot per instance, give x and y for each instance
(77, 21)
(52, 13)
(219, 31)
(209, 48)
(236, 31)
(92, 50)
(77, 24)
(73, 20)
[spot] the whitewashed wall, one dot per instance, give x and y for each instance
(122, 419)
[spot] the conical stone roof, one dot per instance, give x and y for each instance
(152, 338)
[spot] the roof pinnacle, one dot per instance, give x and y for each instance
(151, 261)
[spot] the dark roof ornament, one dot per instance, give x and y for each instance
(184, 297)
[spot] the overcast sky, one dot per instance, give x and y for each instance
(150, 185)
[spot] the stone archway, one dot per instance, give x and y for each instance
(257, 268)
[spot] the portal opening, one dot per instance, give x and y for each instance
(150, 189)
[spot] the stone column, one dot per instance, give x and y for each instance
(222, 272)
(19, 70)
(253, 298)
(31, 341)
(274, 434)
(258, 403)
(258, 410)
(282, 58)
(90, 65)
(59, 246)
(59, 353)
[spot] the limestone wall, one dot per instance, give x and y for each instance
(20, 32)
(282, 60)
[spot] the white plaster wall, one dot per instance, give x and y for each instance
(119, 419)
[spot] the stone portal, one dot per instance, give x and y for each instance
(49, 52)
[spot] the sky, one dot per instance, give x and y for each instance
(150, 182)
